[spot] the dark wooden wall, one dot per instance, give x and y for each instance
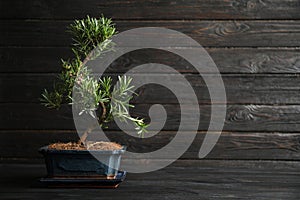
(255, 44)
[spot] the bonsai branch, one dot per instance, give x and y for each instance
(83, 138)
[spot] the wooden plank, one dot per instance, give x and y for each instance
(32, 59)
(240, 89)
(228, 60)
(188, 179)
(261, 118)
(159, 9)
(238, 33)
(231, 145)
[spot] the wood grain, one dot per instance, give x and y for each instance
(240, 89)
(231, 145)
(254, 43)
(239, 117)
(159, 9)
(32, 59)
(228, 60)
(216, 33)
(193, 179)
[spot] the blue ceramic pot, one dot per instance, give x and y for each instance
(80, 163)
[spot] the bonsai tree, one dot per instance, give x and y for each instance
(88, 34)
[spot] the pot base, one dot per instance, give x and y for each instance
(68, 182)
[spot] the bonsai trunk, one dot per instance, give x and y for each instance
(83, 138)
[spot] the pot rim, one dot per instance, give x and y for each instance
(45, 150)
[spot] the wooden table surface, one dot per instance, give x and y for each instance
(184, 179)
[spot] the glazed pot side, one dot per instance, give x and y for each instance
(80, 163)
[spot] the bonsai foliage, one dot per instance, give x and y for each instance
(95, 95)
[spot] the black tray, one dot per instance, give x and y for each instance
(84, 182)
